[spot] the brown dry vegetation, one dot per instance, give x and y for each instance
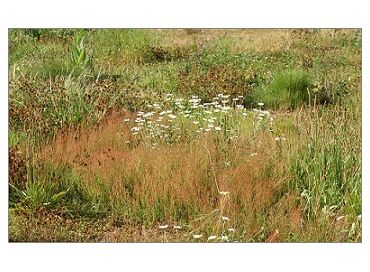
(181, 176)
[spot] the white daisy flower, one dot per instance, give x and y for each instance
(225, 218)
(212, 237)
(224, 193)
(197, 236)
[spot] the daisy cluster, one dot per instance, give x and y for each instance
(173, 118)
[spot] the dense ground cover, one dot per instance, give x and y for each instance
(184, 135)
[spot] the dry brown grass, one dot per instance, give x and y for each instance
(179, 174)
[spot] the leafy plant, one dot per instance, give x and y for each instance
(78, 57)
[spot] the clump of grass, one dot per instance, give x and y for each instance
(326, 171)
(288, 90)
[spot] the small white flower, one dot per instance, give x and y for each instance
(135, 129)
(196, 122)
(245, 114)
(197, 236)
(177, 227)
(127, 120)
(224, 193)
(240, 107)
(210, 126)
(218, 128)
(231, 230)
(224, 238)
(260, 104)
(148, 114)
(163, 227)
(212, 237)
(339, 218)
(172, 116)
(140, 113)
(225, 218)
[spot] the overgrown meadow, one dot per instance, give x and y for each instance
(185, 135)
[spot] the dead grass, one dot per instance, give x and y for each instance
(176, 176)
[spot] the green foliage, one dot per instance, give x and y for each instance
(288, 90)
(122, 46)
(327, 170)
(78, 57)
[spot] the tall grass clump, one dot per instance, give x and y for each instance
(288, 90)
(327, 170)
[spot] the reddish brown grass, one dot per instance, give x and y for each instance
(176, 174)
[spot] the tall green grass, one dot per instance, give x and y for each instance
(287, 90)
(327, 169)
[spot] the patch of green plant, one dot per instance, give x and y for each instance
(78, 55)
(327, 171)
(288, 90)
(121, 46)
